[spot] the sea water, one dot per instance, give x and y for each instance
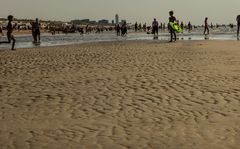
(47, 39)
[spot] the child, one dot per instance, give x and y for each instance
(172, 32)
(182, 26)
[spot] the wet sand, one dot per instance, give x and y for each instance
(124, 95)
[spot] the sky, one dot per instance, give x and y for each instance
(218, 11)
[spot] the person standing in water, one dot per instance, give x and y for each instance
(37, 30)
(182, 26)
(136, 27)
(124, 29)
(172, 19)
(118, 29)
(189, 26)
(206, 28)
(10, 29)
(34, 32)
(155, 29)
(238, 26)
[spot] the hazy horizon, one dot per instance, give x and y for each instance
(218, 11)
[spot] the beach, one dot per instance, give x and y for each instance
(121, 95)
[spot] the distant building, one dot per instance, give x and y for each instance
(84, 21)
(103, 22)
(116, 19)
(93, 22)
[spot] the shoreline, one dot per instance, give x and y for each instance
(121, 42)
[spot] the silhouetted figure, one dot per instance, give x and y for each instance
(10, 29)
(238, 25)
(80, 30)
(36, 31)
(118, 29)
(155, 29)
(33, 31)
(140, 27)
(206, 29)
(136, 27)
(172, 32)
(98, 30)
(144, 27)
(87, 29)
(18, 27)
(182, 26)
(161, 26)
(164, 26)
(189, 26)
(124, 29)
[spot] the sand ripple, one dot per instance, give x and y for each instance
(121, 96)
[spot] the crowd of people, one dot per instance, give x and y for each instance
(121, 30)
(172, 19)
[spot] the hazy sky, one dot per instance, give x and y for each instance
(221, 11)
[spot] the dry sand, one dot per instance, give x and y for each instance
(124, 95)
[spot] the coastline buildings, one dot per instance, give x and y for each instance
(90, 22)
(84, 22)
(103, 22)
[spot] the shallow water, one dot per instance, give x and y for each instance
(25, 41)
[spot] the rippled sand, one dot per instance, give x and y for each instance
(121, 96)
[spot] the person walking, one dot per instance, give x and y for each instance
(238, 25)
(206, 28)
(10, 28)
(172, 19)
